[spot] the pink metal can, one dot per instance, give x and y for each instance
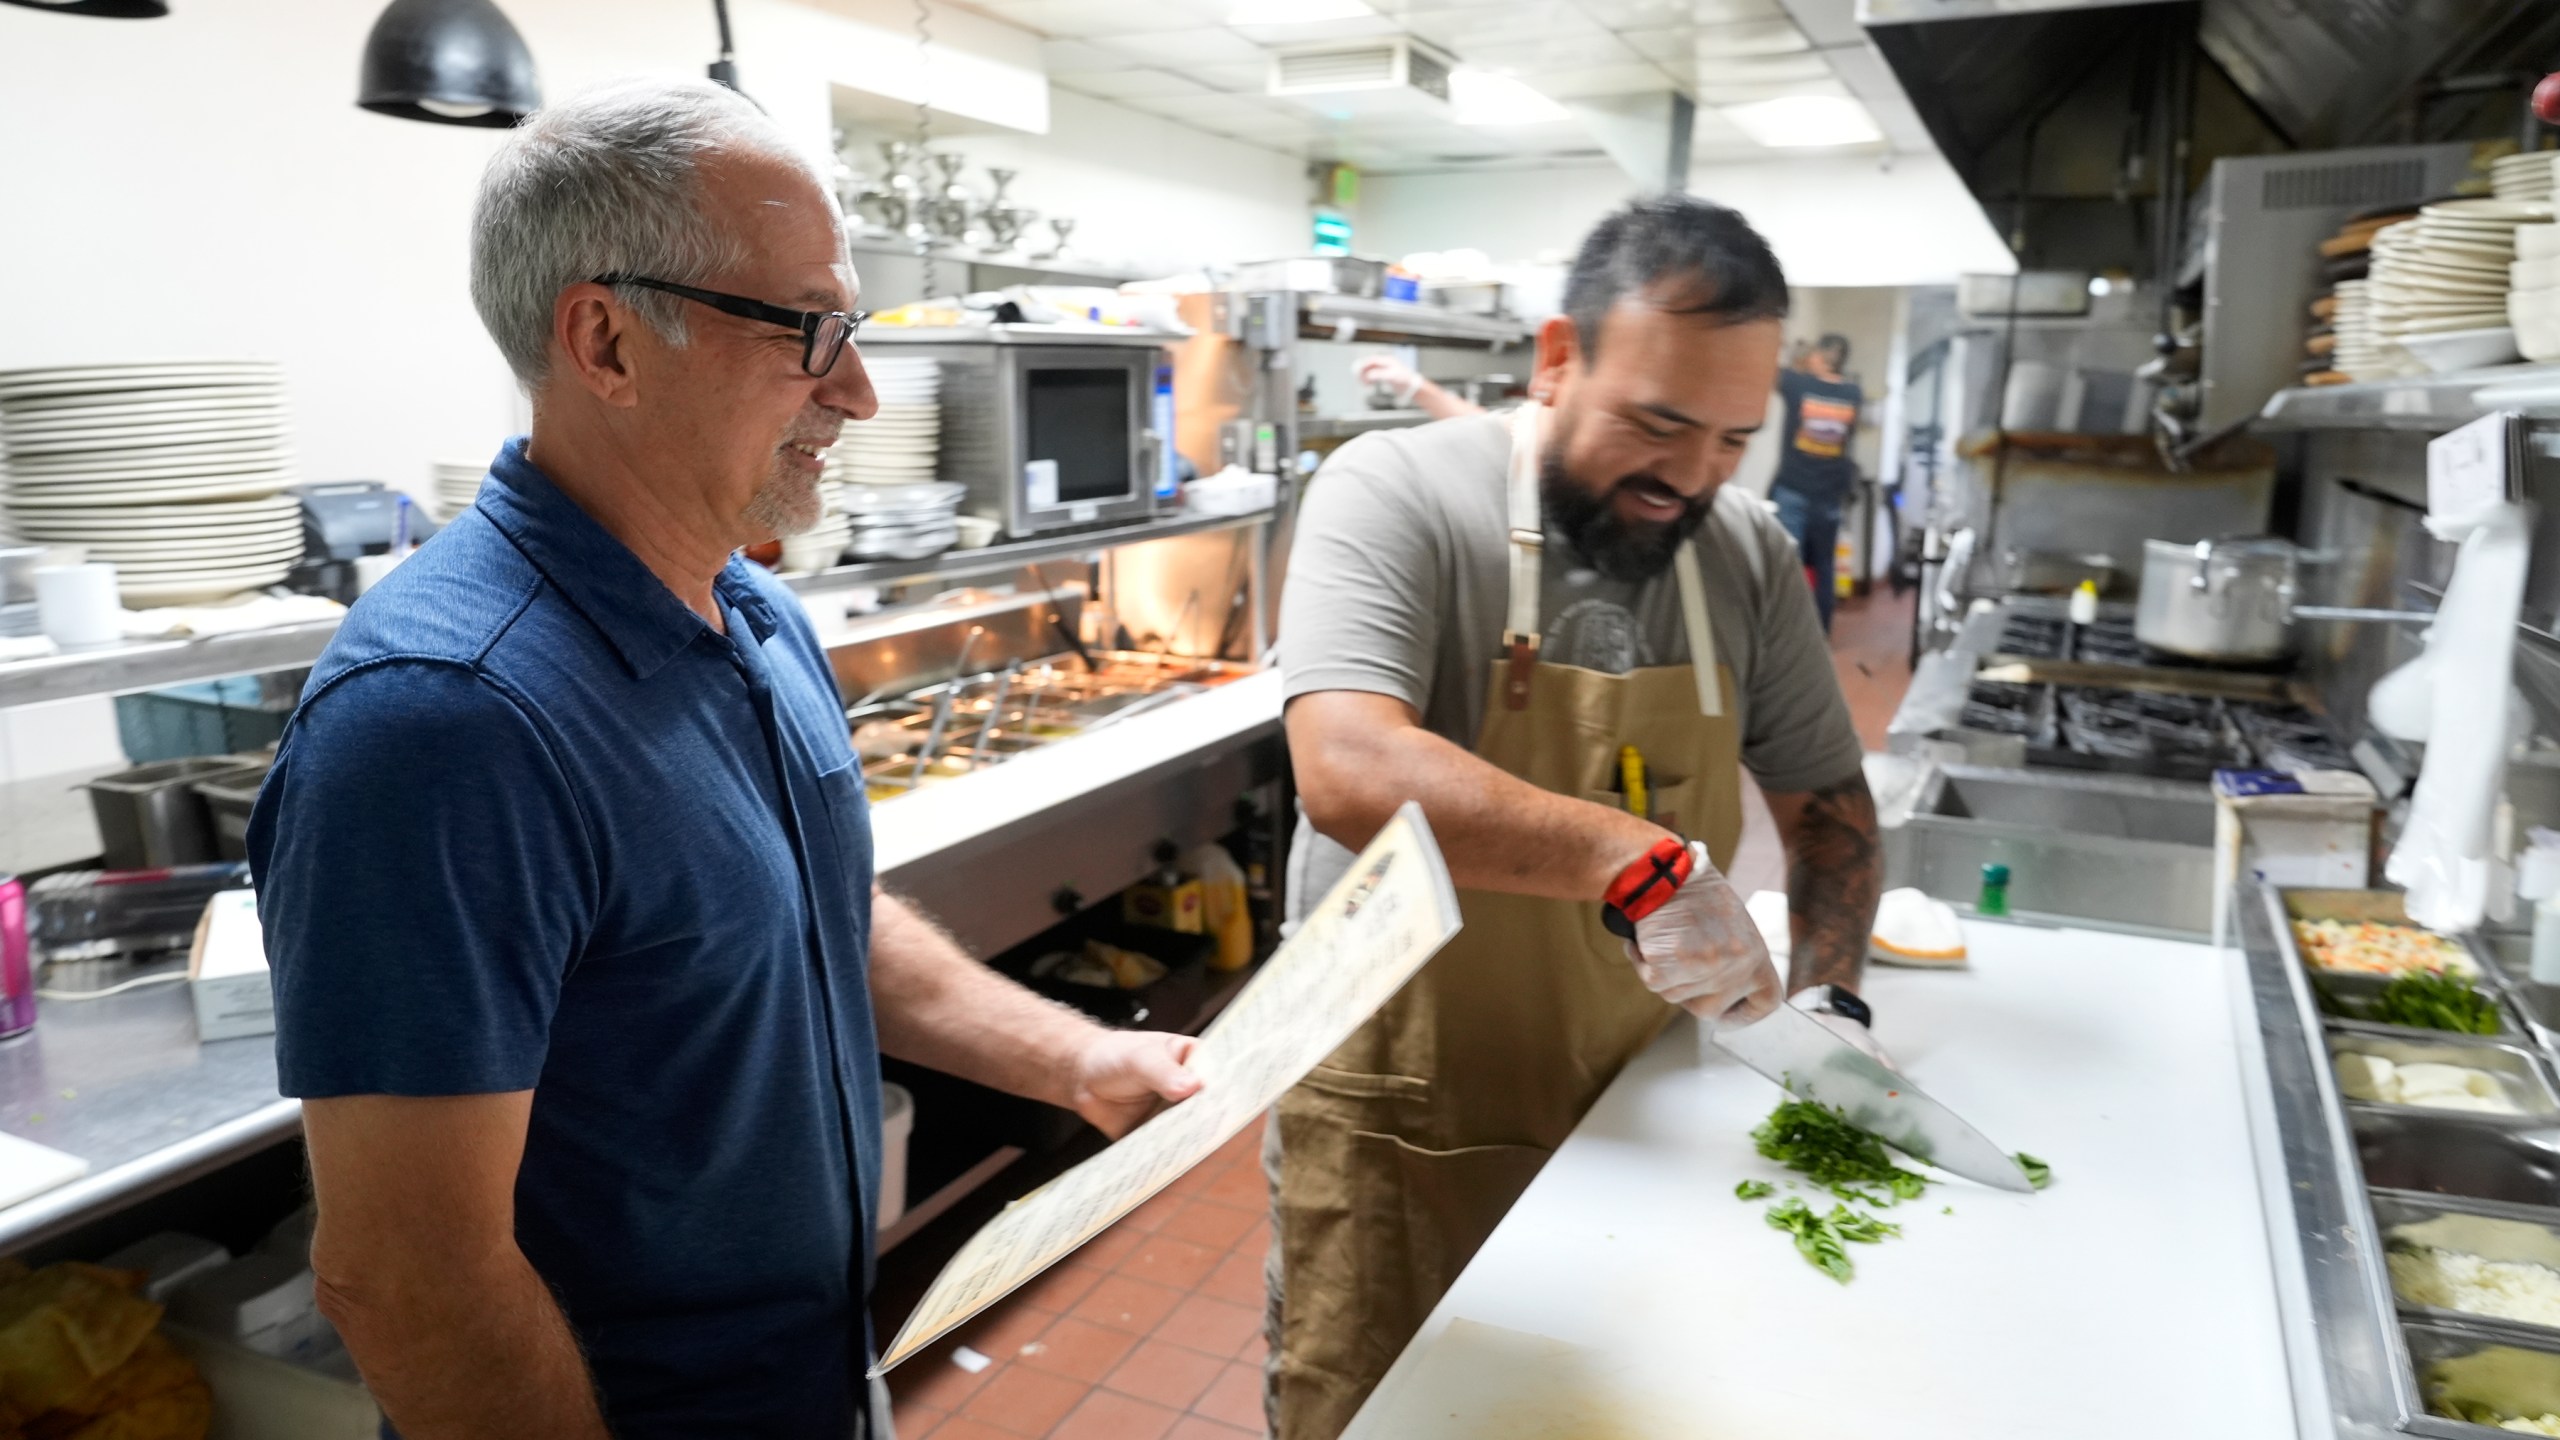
(17, 976)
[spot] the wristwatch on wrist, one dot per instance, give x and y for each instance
(1641, 888)
(1835, 1000)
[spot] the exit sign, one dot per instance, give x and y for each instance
(1333, 233)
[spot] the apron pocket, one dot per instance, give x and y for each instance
(1674, 806)
(1353, 1085)
(1420, 1216)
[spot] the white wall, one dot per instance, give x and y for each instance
(1835, 221)
(1149, 194)
(204, 184)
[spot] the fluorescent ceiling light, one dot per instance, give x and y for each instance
(1804, 121)
(1481, 97)
(1297, 12)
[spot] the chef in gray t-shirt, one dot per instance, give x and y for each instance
(1560, 633)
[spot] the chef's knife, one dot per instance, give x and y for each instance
(1794, 1049)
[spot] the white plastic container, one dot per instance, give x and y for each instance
(897, 1123)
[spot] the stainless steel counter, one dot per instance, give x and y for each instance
(123, 1082)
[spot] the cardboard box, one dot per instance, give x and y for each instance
(2311, 830)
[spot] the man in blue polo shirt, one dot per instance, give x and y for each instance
(565, 863)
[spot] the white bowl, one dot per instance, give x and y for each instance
(2453, 350)
(2537, 242)
(976, 531)
(2534, 274)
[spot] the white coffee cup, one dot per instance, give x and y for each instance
(77, 607)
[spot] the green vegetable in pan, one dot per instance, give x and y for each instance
(2434, 1000)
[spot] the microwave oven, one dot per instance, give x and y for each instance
(1049, 427)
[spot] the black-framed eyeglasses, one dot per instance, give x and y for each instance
(823, 333)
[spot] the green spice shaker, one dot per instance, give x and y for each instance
(1995, 891)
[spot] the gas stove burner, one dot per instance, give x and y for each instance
(2036, 637)
(2141, 725)
(2006, 709)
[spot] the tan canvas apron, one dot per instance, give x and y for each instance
(1401, 1152)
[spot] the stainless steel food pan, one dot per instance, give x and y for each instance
(2382, 906)
(2462, 1366)
(2353, 998)
(2517, 1067)
(2453, 1154)
(2489, 1229)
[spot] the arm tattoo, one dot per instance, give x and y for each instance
(1835, 871)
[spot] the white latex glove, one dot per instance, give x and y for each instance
(1701, 952)
(1389, 371)
(1858, 1035)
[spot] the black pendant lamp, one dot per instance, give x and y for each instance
(452, 62)
(101, 9)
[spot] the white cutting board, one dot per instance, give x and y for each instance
(28, 1169)
(2133, 1299)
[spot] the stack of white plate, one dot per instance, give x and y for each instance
(457, 484)
(2438, 284)
(902, 522)
(2533, 304)
(901, 444)
(165, 468)
(823, 544)
(2361, 353)
(2525, 177)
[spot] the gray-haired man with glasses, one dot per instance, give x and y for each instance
(565, 862)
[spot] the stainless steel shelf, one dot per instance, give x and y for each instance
(1060, 266)
(987, 560)
(149, 665)
(2425, 404)
(1346, 317)
(1343, 427)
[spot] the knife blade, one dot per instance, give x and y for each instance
(1809, 1062)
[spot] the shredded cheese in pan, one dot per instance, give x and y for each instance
(2370, 947)
(2458, 1280)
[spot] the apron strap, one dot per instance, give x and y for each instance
(1702, 636)
(1528, 542)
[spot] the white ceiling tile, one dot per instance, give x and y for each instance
(1753, 37)
(1083, 19)
(1282, 37)
(1585, 82)
(1183, 49)
(1144, 84)
(1531, 58)
(1637, 14)
(1067, 57)
(1239, 79)
(1743, 93)
(1668, 43)
(1517, 22)
(1762, 69)
(1725, 12)
(1829, 22)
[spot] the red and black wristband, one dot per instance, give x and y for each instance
(1641, 888)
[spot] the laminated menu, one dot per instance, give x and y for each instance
(1392, 911)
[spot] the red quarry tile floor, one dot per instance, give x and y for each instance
(1152, 1331)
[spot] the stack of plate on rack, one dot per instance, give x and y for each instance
(169, 470)
(902, 522)
(898, 446)
(2525, 176)
(2533, 304)
(823, 544)
(2360, 354)
(2438, 286)
(457, 484)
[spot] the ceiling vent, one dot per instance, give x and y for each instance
(1399, 77)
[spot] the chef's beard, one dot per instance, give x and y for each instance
(1627, 551)
(789, 503)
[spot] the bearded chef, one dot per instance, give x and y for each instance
(1562, 633)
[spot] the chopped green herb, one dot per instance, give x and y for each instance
(1950, 1210)
(1818, 1242)
(1856, 1225)
(2434, 1000)
(1817, 1142)
(1753, 1190)
(2039, 1174)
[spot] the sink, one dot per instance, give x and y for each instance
(2116, 850)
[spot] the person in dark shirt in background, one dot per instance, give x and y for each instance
(1815, 472)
